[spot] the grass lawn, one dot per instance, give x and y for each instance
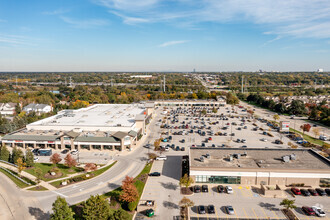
(17, 181)
(40, 188)
(45, 167)
(57, 184)
(309, 138)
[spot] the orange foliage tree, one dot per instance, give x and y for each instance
(129, 193)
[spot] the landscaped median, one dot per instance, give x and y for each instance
(115, 203)
(309, 138)
(16, 179)
(82, 177)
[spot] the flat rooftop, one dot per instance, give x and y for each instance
(255, 158)
(99, 115)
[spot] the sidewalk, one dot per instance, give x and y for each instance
(29, 176)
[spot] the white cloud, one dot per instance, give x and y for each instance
(84, 23)
(298, 18)
(131, 20)
(16, 40)
(171, 43)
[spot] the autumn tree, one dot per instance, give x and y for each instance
(186, 203)
(129, 191)
(55, 159)
(20, 165)
(316, 131)
(70, 161)
(288, 204)
(90, 167)
(276, 117)
(16, 154)
(305, 127)
(186, 181)
(157, 144)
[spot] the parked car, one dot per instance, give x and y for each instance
(201, 209)
(220, 188)
(35, 151)
(154, 174)
(197, 189)
(263, 139)
(74, 152)
(205, 188)
(321, 192)
(229, 190)
(150, 212)
(210, 209)
(230, 210)
(65, 151)
(327, 191)
(182, 148)
(318, 211)
(305, 192)
(313, 192)
(161, 157)
(295, 191)
(308, 210)
(35, 159)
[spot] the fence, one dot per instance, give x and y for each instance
(20, 179)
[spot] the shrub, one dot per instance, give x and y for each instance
(54, 169)
(131, 206)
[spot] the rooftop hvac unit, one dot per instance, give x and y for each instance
(208, 156)
(293, 157)
(286, 159)
(231, 158)
(201, 159)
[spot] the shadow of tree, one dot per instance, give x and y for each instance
(170, 205)
(113, 185)
(268, 206)
(38, 213)
(169, 185)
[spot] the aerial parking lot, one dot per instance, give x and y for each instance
(191, 127)
(247, 203)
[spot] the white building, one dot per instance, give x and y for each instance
(97, 127)
(7, 108)
(320, 70)
(38, 108)
(141, 76)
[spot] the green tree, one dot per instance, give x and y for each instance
(231, 99)
(119, 215)
(288, 204)
(276, 117)
(186, 181)
(61, 210)
(96, 208)
(4, 153)
(29, 158)
(297, 107)
(16, 154)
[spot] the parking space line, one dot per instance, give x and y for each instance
(245, 213)
(235, 214)
(264, 212)
(254, 213)
(216, 213)
(275, 215)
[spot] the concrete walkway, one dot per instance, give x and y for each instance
(29, 176)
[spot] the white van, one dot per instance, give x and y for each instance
(161, 157)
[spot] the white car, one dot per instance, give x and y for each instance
(74, 152)
(229, 190)
(318, 211)
(161, 158)
(35, 159)
(264, 139)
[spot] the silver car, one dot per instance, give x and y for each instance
(230, 210)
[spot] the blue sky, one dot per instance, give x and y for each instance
(164, 35)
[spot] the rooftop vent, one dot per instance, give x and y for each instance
(286, 159)
(201, 159)
(293, 157)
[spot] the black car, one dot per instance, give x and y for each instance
(221, 189)
(197, 189)
(182, 148)
(35, 152)
(305, 192)
(154, 174)
(321, 192)
(210, 209)
(177, 148)
(205, 188)
(65, 151)
(201, 209)
(313, 192)
(327, 191)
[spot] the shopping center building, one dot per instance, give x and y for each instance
(97, 127)
(257, 166)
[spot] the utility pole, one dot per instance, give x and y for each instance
(70, 82)
(242, 88)
(164, 84)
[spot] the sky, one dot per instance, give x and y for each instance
(164, 35)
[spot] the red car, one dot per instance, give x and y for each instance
(295, 191)
(308, 210)
(210, 139)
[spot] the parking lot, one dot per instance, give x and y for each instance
(248, 204)
(216, 130)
